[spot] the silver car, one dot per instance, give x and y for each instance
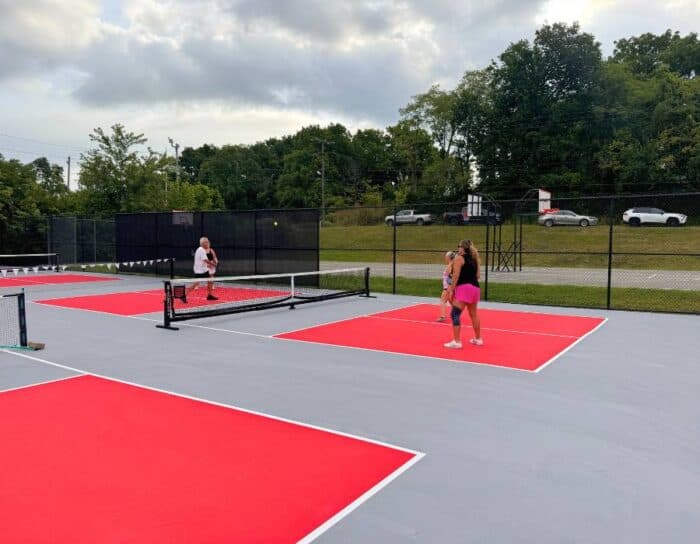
(566, 217)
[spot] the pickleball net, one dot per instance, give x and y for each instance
(13, 321)
(192, 298)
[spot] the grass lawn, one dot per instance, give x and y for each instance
(659, 300)
(551, 247)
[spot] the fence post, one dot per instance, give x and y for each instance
(75, 240)
(520, 242)
(48, 235)
(486, 268)
(256, 242)
(393, 268)
(611, 212)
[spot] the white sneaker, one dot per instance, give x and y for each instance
(477, 341)
(453, 345)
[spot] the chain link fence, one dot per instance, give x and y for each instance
(81, 241)
(633, 252)
(26, 235)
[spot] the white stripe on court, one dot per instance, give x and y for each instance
(212, 402)
(37, 384)
(417, 455)
(605, 320)
(442, 324)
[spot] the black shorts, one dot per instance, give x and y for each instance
(201, 274)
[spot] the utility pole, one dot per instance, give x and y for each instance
(323, 176)
(176, 146)
(68, 172)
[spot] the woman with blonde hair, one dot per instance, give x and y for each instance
(465, 292)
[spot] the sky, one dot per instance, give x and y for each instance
(241, 71)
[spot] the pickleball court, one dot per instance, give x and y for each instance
(344, 421)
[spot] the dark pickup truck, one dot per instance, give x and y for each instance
(463, 218)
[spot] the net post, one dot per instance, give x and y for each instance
(172, 268)
(366, 275)
(167, 305)
(22, 311)
(291, 293)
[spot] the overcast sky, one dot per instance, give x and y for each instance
(239, 71)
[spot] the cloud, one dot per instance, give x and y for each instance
(316, 20)
(358, 62)
(363, 59)
(38, 35)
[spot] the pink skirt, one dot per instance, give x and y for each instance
(467, 293)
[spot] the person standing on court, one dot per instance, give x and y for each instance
(205, 262)
(464, 291)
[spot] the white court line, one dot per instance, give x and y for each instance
(215, 403)
(652, 276)
(277, 336)
(180, 324)
(359, 501)
(442, 324)
(37, 384)
(500, 309)
(152, 320)
(417, 455)
(59, 307)
(402, 354)
(605, 320)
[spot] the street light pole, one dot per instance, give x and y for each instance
(176, 146)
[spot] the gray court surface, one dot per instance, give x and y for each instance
(601, 446)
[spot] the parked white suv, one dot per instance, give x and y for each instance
(653, 216)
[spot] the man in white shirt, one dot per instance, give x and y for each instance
(205, 261)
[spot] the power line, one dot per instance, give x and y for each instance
(41, 142)
(35, 154)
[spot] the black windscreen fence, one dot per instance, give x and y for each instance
(80, 240)
(246, 242)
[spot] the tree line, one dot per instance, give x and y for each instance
(550, 112)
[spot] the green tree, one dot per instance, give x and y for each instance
(191, 160)
(542, 122)
(22, 207)
(109, 173)
(50, 177)
(645, 53)
(412, 151)
(115, 177)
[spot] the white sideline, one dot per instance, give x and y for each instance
(417, 455)
(37, 384)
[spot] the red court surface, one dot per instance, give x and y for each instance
(520, 340)
(146, 302)
(88, 460)
(49, 278)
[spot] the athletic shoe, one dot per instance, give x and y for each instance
(477, 341)
(440, 319)
(212, 297)
(453, 345)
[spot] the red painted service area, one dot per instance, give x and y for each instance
(520, 340)
(49, 278)
(145, 302)
(88, 460)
